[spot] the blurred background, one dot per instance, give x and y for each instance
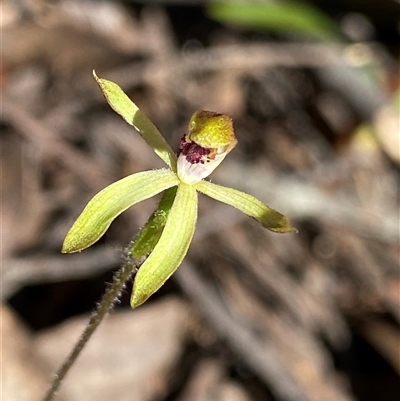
(313, 90)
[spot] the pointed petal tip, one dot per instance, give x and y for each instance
(270, 219)
(138, 299)
(66, 246)
(276, 222)
(283, 230)
(72, 246)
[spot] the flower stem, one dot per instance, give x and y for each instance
(106, 303)
(150, 233)
(137, 252)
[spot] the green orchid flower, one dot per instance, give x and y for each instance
(165, 238)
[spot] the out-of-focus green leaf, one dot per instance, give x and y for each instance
(295, 17)
(170, 249)
(128, 110)
(248, 204)
(110, 202)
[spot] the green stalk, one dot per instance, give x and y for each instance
(150, 233)
(137, 252)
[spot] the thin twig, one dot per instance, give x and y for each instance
(106, 303)
(33, 130)
(268, 364)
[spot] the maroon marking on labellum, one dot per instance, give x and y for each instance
(184, 146)
(194, 153)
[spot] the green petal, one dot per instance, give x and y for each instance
(248, 204)
(128, 110)
(110, 202)
(170, 249)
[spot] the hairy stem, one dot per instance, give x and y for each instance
(136, 253)
(106, 303)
